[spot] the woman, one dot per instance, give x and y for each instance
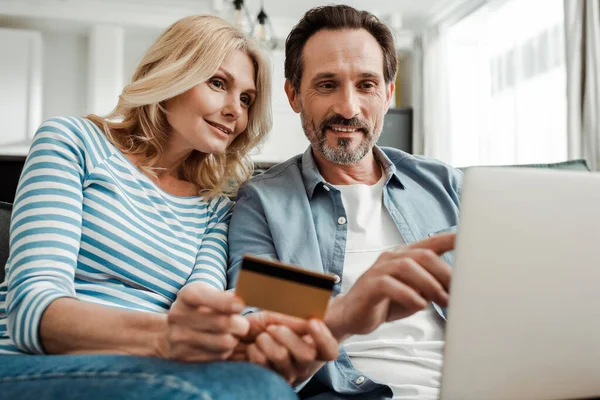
(117, 218)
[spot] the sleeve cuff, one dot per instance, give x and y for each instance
(300, 386)
(24, 329)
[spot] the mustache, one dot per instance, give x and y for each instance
(337, 119)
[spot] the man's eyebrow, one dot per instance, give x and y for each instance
(370, 74)
(330, 75)
(323, 75)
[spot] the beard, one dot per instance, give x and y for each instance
(343, 152)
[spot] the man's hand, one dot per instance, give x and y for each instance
(400, 283)
(293, 347)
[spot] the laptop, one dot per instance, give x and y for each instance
(524, 314)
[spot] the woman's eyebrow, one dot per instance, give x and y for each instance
(231, 78)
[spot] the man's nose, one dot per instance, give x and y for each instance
(347, 104)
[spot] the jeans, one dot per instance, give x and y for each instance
(90, 377)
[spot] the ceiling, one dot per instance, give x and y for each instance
(415, 14)
(412, 16)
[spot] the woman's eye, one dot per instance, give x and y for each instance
(246, 100)
(217, 83)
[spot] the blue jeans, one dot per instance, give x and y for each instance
(90, 377)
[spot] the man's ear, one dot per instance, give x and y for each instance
(292, 96)
(389, 94)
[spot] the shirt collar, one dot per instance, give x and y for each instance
(313, 178)
(310, 173)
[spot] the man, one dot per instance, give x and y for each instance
(365, 214)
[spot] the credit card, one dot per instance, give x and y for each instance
(284, 288)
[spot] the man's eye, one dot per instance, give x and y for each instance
(367, 85)
(326, 85)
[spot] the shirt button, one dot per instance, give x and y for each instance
(326, 188)
(337, 278)
(360, 380)
(341, 220)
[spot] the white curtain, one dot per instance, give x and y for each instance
(432, 120)
(435, 118)
(582, 27)
(494, 88)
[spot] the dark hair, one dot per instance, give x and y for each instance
(337, 17)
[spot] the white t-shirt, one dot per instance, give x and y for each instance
(405, 354)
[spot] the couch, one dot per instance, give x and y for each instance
(6, 208)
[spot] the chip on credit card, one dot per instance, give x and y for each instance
(284, 288)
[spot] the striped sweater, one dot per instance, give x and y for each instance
(87, 224)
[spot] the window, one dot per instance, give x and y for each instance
(507, 98)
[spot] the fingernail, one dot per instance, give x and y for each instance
(308, 339)
(272, 328)
(315, 324)
(237, 307)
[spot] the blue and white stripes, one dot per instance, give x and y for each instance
(88, 224)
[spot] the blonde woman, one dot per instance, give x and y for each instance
(118, 241)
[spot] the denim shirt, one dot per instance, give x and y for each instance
(292, 214)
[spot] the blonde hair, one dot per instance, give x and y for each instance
(188, 53)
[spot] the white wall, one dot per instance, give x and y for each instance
(66, 66)
(286, 139)
(20, 84)
(136, 45)
(105, 67)
(65, 74)
(67, 49)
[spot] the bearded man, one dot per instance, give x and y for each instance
(366, 214)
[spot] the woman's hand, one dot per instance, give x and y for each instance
(204, 324)
(293, 347)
